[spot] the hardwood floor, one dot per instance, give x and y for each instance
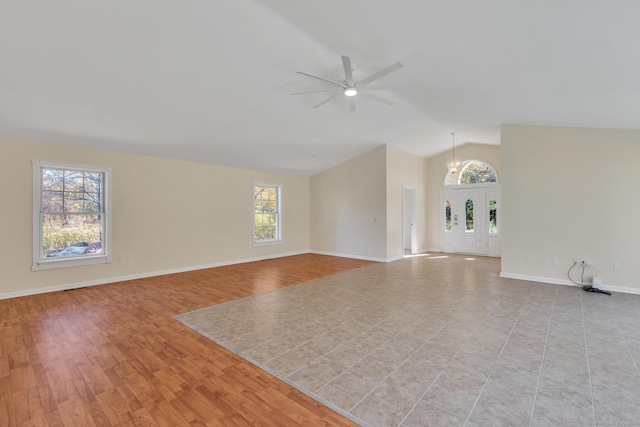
(112, 355)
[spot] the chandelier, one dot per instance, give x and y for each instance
(454, 164)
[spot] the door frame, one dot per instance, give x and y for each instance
(409, 219)
(449, 242)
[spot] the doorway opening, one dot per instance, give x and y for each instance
(409, 240)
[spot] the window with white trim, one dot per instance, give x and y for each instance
(71, 215)
(266, 214)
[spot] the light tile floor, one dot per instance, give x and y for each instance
(443, 340)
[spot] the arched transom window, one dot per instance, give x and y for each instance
(472, 172)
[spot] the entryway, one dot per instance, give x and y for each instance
(470, 219)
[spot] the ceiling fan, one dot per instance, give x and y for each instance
(350, 87)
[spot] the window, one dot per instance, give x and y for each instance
(493, 217)
(266, 214)
(71, 215)
(447, 216)
(472, 172)
(476, 172)
(469, 216)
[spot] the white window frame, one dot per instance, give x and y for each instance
(40, 263)
(278, 239)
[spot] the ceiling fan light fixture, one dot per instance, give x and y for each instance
(350, 87)
(351, 91)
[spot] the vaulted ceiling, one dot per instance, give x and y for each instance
(211, 81)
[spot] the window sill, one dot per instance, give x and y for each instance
(48, 264)
(266, 243)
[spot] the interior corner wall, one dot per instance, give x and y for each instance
(571, 193)
(437, 171)
(348, 208)
(167, 215)
(405, 169)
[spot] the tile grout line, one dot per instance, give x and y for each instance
(626, 343)
(310, 339)
(289, 289)
(586, 348)
(438, 377)
(230, 342)
(398, 367)
(449, 363)
(344, 343)
(498, 357)
(544, 354)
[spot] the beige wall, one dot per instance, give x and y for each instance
(346, 199)
(437, 171)
(405, 169)
(571, 193)
(568, 193)
(357, 207)
(348, 208)
(167, 215)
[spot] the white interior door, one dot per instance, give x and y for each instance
(409, 219)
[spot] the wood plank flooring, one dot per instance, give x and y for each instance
(112, 355)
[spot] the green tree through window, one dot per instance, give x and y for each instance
(71, 212)
(469, 216)
(71, 215)
(477, 173)
(493, 217)
(447, 216)
(266, 213)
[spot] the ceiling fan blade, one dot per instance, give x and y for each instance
(321, 78)
(381, 73)
(392, 87)
(348, 71)
(352, 103)
(326, 100)
(377, 98)
(318, 91)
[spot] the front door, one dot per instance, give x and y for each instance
(469, 220)
(469, 208)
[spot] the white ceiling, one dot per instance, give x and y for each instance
(210, 80)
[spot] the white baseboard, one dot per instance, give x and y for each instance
(84, 284)
(366, 258)
(427, 250)
(565, 282)
(67, 286)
